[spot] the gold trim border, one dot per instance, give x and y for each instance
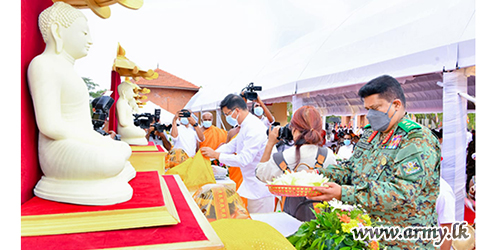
(213, 242)
(38, 225)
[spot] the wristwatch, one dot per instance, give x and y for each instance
(195, 125)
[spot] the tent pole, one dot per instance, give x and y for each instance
(468, 97)
(453, 149)
(296, 103)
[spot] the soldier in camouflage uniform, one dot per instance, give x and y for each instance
(395, 168)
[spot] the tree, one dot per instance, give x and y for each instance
(91, 86)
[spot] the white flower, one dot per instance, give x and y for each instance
(301, 178)
(336, 204)
(347, 207)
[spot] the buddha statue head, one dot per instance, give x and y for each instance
(65, 30)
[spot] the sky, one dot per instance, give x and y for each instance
(203, 42)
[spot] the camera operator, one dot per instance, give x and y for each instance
(100, 112)
(158, 137)
(262, 112)
(187, 135)
(307, 153)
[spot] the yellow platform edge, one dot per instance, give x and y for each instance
(213, 242)
(38, 225)
(149, 160)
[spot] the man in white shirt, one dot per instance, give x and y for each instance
(249, 146)
(346, 150)
(187, 135)
(445, 208)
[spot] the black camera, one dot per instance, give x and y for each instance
(250, 93)
(143, 120)
(101, 107)
(161, 127)
(285, 133)
(184, 113)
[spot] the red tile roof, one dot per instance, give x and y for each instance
(166, 80)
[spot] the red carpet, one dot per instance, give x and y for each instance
(187, 230)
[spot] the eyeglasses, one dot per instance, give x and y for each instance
(229, 111)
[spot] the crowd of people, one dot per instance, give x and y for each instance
(391, 167)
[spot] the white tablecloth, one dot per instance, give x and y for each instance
(283, 222)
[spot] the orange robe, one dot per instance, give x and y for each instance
(214, 137)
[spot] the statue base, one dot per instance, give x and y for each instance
(192, 232)
(107, 191)
(151, 205)
(141, 141)
(147, 158)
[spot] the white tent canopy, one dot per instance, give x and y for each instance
(399, 38)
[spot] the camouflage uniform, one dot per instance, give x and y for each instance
(396, 181)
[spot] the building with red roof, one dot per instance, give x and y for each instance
(168, 91)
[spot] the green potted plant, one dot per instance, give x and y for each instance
(332, 228)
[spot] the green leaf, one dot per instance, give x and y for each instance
(327, 223)
(293, 239)
(315, 242)
(345, 248)
(322, 246)
(300, 243)
(348, 242)
(339, 239)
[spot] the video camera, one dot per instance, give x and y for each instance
(161, 127)
(250, 93)
(144, 121)
(101, 105)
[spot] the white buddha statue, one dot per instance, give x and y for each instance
(125, 107)
(79, 165)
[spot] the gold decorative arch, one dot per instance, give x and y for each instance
(125, 67)
(101, 7)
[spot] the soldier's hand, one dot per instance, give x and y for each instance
(332, 190)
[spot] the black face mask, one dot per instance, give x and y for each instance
(379, 120)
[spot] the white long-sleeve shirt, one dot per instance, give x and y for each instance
(249, 146)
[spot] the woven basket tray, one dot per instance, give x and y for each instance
(293, 191)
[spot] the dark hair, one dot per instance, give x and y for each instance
(386, 86)
(438, 133)
(253, 108)
(232, 101)
(307, 121)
